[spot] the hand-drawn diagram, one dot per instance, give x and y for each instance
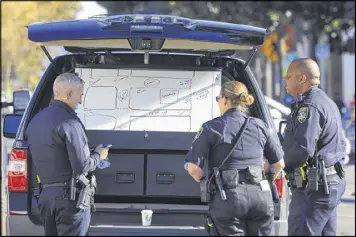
(150, 100)
(93, 93)
(169, 96)
(123, 95)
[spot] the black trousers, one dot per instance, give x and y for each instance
(60, 215)
(315, 213)
(247, 211)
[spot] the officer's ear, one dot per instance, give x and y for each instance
(226, 100)
(303, 78)
(69, 94)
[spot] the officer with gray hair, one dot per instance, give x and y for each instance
(59, 148)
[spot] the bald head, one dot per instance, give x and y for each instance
(309, 68)
(68, 88)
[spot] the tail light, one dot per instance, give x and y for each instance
(17, 171)
(280, 186)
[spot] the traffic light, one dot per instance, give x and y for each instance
(270, 47)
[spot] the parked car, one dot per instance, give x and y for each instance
(151, 81)
(279, 112)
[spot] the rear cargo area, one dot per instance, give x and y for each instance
(146, 173)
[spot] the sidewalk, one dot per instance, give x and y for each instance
(350, 184)
(346, 209)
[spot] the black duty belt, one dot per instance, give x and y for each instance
(55, 185)
(242, 176)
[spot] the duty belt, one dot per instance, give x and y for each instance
(242, 173)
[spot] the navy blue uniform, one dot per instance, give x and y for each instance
(314, 127)
(248, 209)
(58, 145)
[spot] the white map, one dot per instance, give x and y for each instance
(150, 100)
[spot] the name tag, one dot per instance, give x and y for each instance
(265, 185)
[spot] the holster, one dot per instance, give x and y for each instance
(210, 227)
(340, 170)
(254, 174)
(204, 194)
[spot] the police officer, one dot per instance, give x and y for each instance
(313, 135)
(59, 146)
(248, 209)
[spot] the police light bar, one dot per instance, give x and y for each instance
(144, 19)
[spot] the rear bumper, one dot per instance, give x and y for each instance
(21, 225)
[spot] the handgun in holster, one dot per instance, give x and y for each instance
(339, 170)
(210, 227)
(86, 194)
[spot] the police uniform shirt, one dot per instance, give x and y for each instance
(58, 144)
(315, 122)
(217, 137)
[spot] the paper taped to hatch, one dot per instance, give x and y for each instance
(151, 100)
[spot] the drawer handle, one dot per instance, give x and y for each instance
(125, 177)
(165, 178)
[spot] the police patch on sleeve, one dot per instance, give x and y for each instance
(198, 134)
(303, 113)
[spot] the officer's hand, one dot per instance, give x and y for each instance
(102, 151)
(104, 164)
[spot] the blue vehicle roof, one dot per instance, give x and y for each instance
(146, 26)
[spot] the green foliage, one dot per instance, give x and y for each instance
(18, 53)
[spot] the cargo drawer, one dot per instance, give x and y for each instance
(123, 178)
(166, 176)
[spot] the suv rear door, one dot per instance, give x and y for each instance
(148, 34)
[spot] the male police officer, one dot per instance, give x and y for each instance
(59, 146)
(313, 135)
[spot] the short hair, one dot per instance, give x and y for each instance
(238, 94)
(309, 67)
(70, 80)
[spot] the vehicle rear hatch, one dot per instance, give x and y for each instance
(147, 33)
(146, 172)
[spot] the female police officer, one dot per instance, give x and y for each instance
(248, 209)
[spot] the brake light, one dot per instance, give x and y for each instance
(17, 171)
(280, 186)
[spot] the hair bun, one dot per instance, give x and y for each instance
(246, 98)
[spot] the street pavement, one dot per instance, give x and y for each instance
(346, 210)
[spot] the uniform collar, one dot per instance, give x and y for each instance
(232, 110)
(301, 97)
(63, 105)
(310, 90)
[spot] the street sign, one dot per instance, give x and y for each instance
(322, 50)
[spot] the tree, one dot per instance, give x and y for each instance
(331, 17)
(20, 56)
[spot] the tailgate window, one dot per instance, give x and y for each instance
(149, 100)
